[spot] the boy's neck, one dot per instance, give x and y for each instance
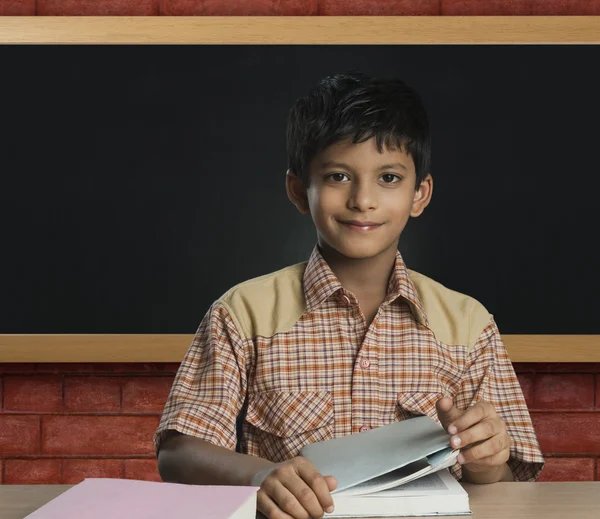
(365, 278)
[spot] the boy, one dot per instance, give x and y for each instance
(351, 339)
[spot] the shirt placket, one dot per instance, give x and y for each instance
(365, 381)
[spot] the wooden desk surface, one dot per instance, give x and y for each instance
(498, 501)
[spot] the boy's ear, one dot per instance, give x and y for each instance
(296, 191)
(422, 196)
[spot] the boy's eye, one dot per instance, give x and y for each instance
(389, 178)
(338, 177)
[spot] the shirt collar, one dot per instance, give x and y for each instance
(320, 283)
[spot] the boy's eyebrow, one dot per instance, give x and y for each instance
(394, 166)
(331, 164)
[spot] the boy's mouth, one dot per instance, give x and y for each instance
(358, 225)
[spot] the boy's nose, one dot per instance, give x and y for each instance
(362, 198)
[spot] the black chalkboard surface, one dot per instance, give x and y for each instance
(138, 183)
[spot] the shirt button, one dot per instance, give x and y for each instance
(364, 428)
(365, 363)
(346, 298)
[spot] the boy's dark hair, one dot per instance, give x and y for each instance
(357, 106)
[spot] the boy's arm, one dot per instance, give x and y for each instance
(293, 488)
(196, 438)
(490, 416)
(209, 389)
(193, 461)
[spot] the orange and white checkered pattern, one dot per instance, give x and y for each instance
(331, 375)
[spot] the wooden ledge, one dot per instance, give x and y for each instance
(300, 29)
(145, 348)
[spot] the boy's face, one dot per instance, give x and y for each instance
(360, 199)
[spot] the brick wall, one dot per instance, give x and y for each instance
(564, 401)
(60, 423)
(298, 7)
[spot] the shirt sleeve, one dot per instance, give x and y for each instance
(490, 377)
(210, 386)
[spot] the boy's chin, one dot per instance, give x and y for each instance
(359, 252)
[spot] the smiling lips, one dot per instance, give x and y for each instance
(361, 226)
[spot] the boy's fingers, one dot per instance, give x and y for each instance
(331, 482)
(447, 412)
(471, 416)
(305, 496)
(266, 506)
(298, 501)
(477, 433)
(320, 489)
(498, 444)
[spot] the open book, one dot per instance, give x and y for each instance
(399, 469)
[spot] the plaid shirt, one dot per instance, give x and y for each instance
(328, 374)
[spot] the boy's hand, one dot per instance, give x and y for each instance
(293, 489)
(480, 434)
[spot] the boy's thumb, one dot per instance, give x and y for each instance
(447, 412)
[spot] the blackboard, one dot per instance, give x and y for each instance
(138, 183)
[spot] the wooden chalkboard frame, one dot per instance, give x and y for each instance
(302, 30)
(524, 30)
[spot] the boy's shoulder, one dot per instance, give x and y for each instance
(454, 318)
(273, 303)
(269, 304)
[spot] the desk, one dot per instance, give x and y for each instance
(497, 501)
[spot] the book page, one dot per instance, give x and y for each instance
(428, 483)
(435, 494)
(382, 450)
(391, 479)
(403, 475)
(435, 484)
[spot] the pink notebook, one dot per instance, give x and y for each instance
(100, 498)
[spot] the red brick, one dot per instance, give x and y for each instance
(519, 7)
(597, 391)
(32, 472)
(18, 367)
(527, 381)
(568, 469)
(146, 394)
(39, 393)
(379, 7)
(97, 8)
(557, 367)
(1, 471)
(76, 470)
(66, 367)
(92, 435)
(523, 367)
(92, 394)
(103, 368)
(19, 435)
(564, 391)
(17, 7)
(568, 433)
(146, 470)
(237, 8)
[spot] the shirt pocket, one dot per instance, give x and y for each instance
(418, 403)
(283, 422)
